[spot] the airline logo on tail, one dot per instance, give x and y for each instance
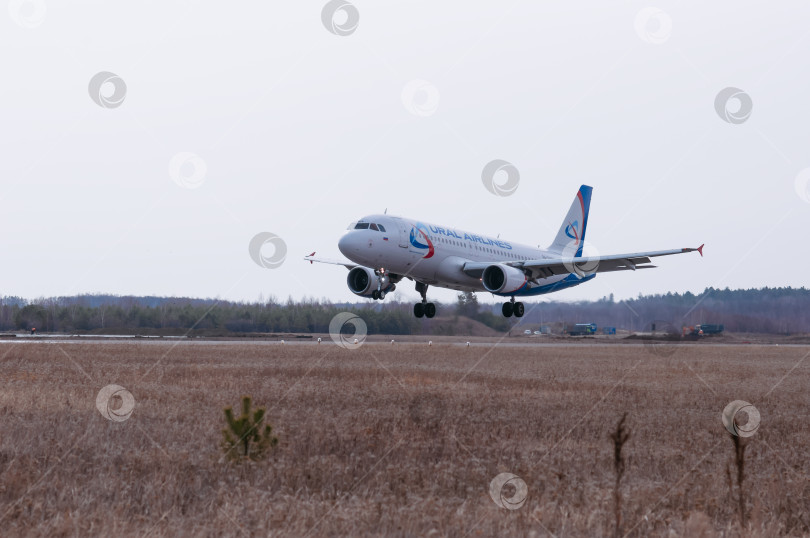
(419, 234)
(572, 231)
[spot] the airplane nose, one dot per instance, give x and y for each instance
(344, 243)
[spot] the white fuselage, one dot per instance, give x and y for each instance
(435, 254)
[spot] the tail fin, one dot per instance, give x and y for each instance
(572, 231)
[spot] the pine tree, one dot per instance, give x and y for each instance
(244, 438)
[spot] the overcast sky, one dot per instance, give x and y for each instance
(302, 122)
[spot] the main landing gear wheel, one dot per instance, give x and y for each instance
(424, 308)
(511, 308)
(427, 310)
(430, 310)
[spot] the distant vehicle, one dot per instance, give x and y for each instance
(527, 331)
(582, 329)
(384, 250)
(537, 332)
(710, 328)
(608, 330)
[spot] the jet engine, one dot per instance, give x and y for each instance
(500, 278)
(364, 282)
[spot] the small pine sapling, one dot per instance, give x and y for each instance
(619, 437)
(739, 462)
(245, 437)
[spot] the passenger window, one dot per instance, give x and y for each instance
(381, 227)
(373, 227)
(361, 226)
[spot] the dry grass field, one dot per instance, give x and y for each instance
(400, 440)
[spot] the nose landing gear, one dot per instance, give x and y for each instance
(512, 307)
(423, 309)
(382, 285)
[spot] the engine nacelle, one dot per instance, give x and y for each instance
(505, 279)
(363, 282)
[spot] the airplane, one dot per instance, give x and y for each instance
(384, 249)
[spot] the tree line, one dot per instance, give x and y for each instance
(764, 310)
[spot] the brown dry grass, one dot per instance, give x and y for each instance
(397, 440)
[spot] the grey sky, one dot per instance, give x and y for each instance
(301, 131)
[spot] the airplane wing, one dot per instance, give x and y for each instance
(348, 265)
(544, 268)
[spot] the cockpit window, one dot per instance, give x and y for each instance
(373, 227)
(361, 226)
(381, 227)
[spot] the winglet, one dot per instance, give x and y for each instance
(313, 253)
(699, 249)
